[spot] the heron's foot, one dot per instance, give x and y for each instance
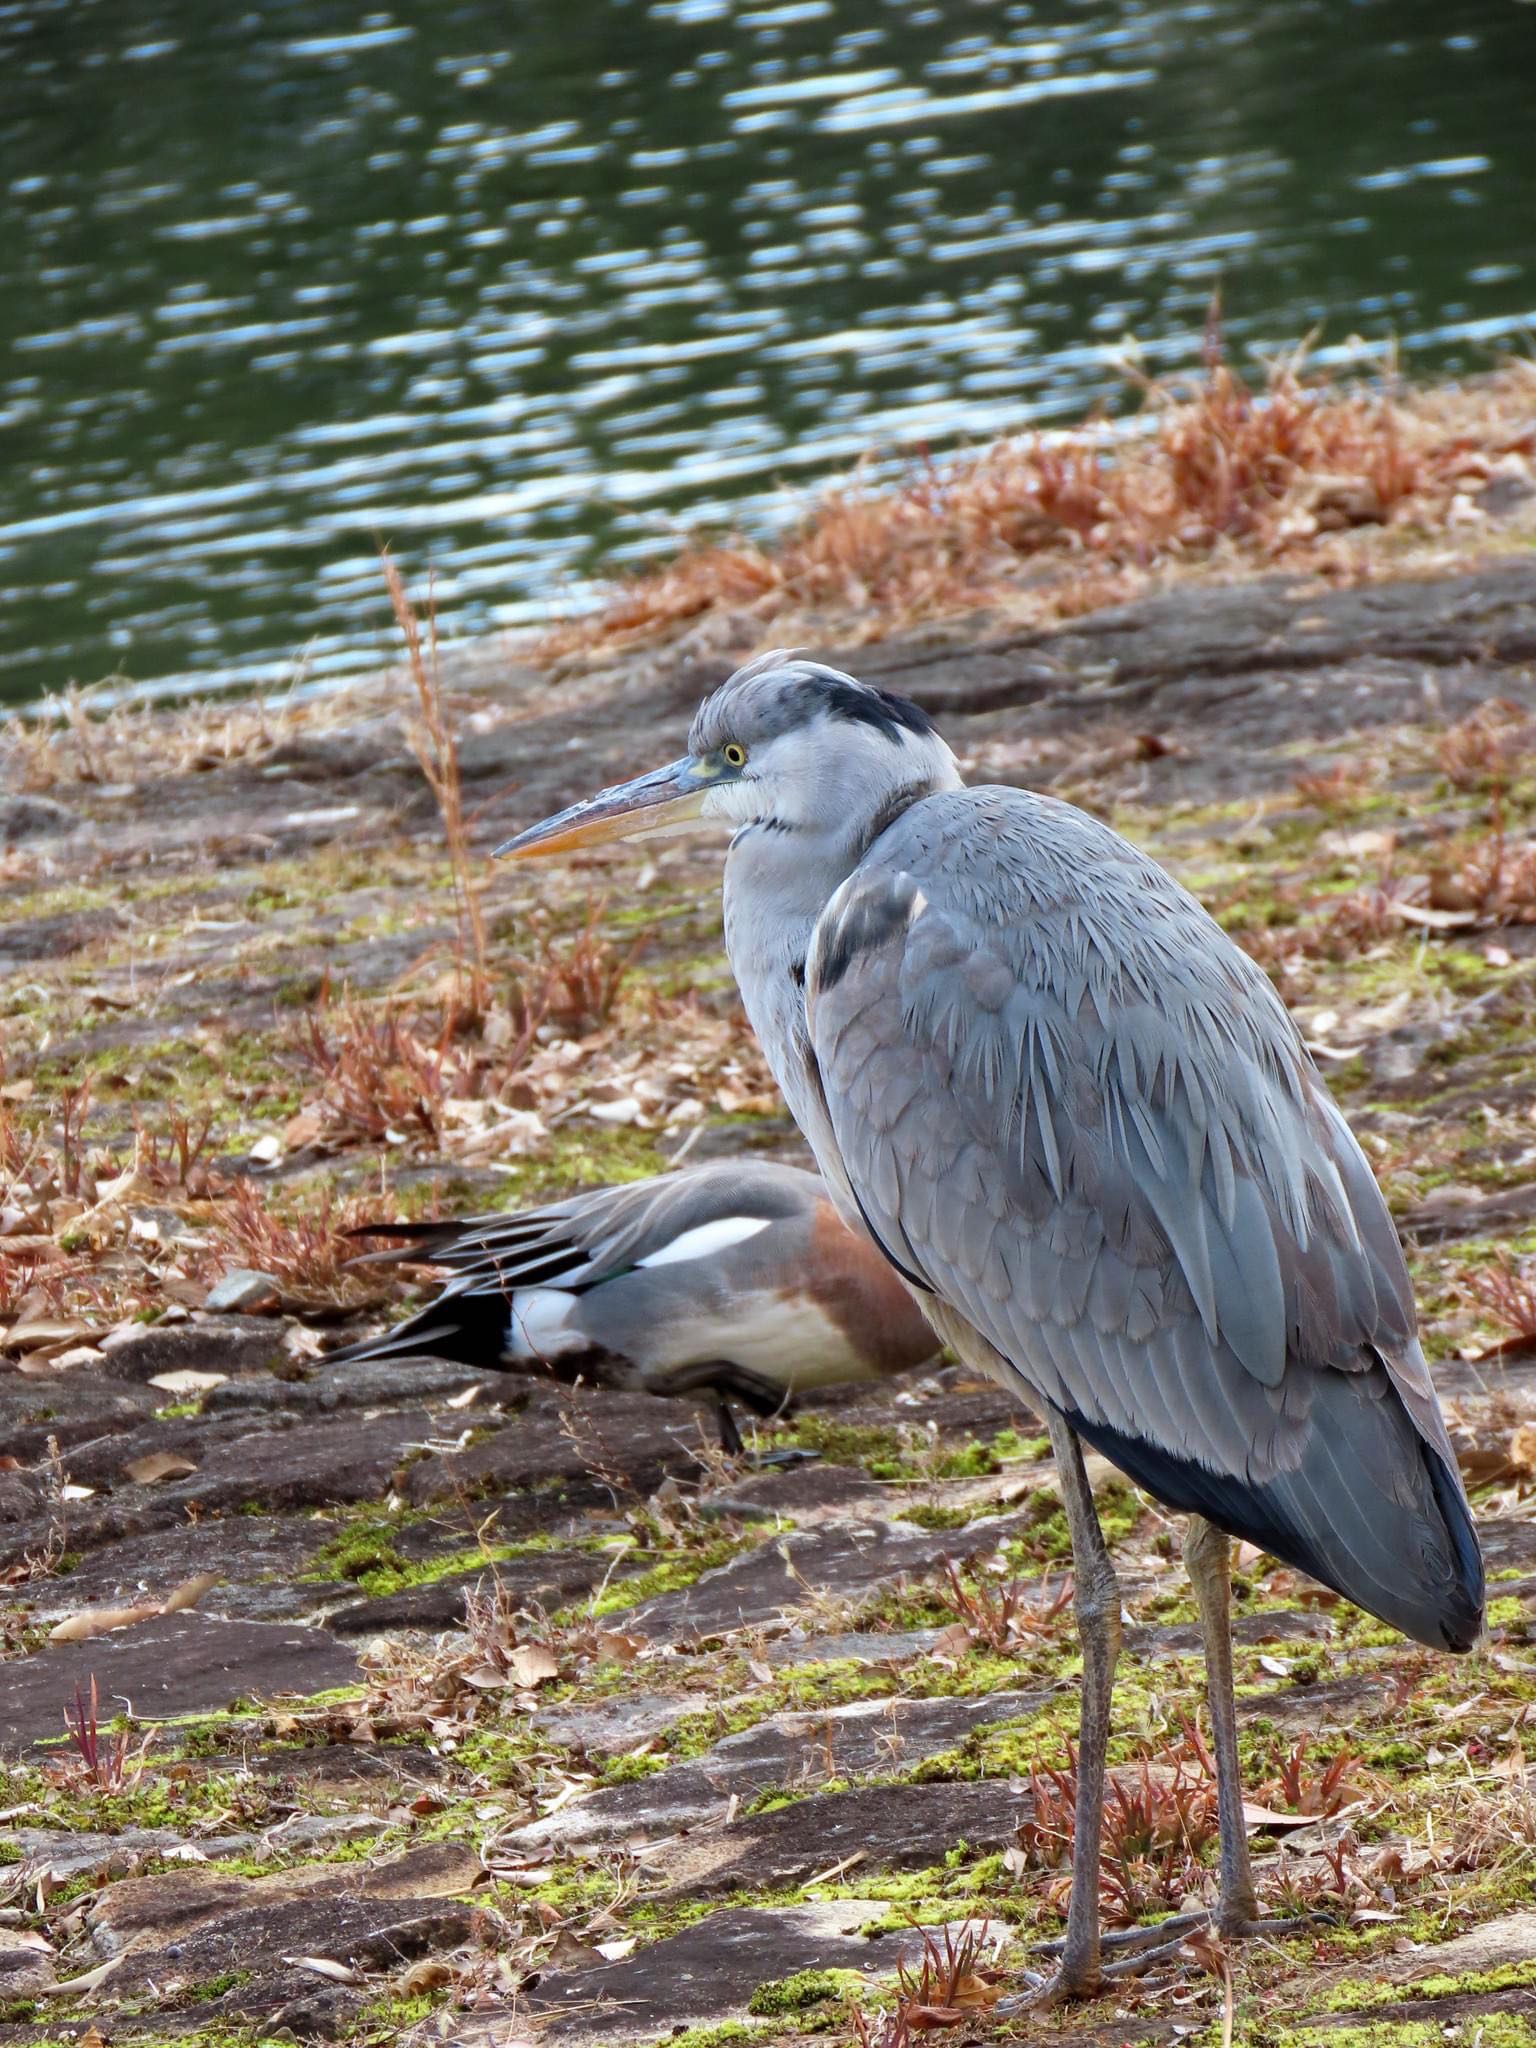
(1133, 1951)
(1125, 1940)
(1271, 1923)
(1079, 1974)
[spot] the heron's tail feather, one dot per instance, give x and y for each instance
(1372, 1509)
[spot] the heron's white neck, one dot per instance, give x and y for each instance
(779, 878)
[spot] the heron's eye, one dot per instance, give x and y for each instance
(733, 755)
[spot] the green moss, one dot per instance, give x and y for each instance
(670, 1576)
(805, 1989)
(726, 2035)
(1355, 1995)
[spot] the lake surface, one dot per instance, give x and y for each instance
(527, 289)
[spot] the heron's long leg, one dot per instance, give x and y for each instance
(1207, 1558)
(1098, 1627)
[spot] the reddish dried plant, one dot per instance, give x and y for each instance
(945, 1985)
(1270, 469)
(1001, 1617)
(1316, 1790)
(101, 1760)
(1159, 1816)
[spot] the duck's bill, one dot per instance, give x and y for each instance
(652, 805)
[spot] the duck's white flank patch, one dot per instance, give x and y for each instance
(705, 1240)
(538, 1324)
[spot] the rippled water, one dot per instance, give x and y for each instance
(525, 289)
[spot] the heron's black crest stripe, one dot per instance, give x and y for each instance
(868, 705)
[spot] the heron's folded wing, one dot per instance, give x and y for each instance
(1071, 1107)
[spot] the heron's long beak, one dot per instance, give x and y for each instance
(643, 809)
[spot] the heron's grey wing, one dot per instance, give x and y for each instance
(1066, 1103)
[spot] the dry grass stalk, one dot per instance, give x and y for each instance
(1320, 1791)
(582, 981)
(102, 1761)
(432, 741)
(1506, 1290)
(308, 1255)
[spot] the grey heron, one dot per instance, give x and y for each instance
(1082, 1127)
(738, 1279)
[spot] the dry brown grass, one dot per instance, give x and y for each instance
(310, 1253)
(1002, 1617)
(432, 741)
(391, 1072)
(1220, 465)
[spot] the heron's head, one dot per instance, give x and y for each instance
(786, 744)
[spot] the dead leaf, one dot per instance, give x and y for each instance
(89, 1982)
(532, 1664)
(189, 1592)
(100, 1621)
(157, 1465)
(29, 1336)
(186, 1381)
(1255, 1816)
(953, 1641)
(570, 1954)
(322, 1966)
(615, 1647)
(428, 1975)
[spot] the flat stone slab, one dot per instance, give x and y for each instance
(316, 1462)
(860, 1646)
(204, 1343)
(179, 1929)
(835, 1560)
(175, 1664)
(873, 1828)
(548, 1580)
(705, 1975)
(864, 1739)
(55, 1856)
(261, 1560)
(1510, 1939)
(575, 1436)
(614, 1727)
(371, 1383)
(69, 1407)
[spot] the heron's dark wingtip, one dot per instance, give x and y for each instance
(1413, 1563)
